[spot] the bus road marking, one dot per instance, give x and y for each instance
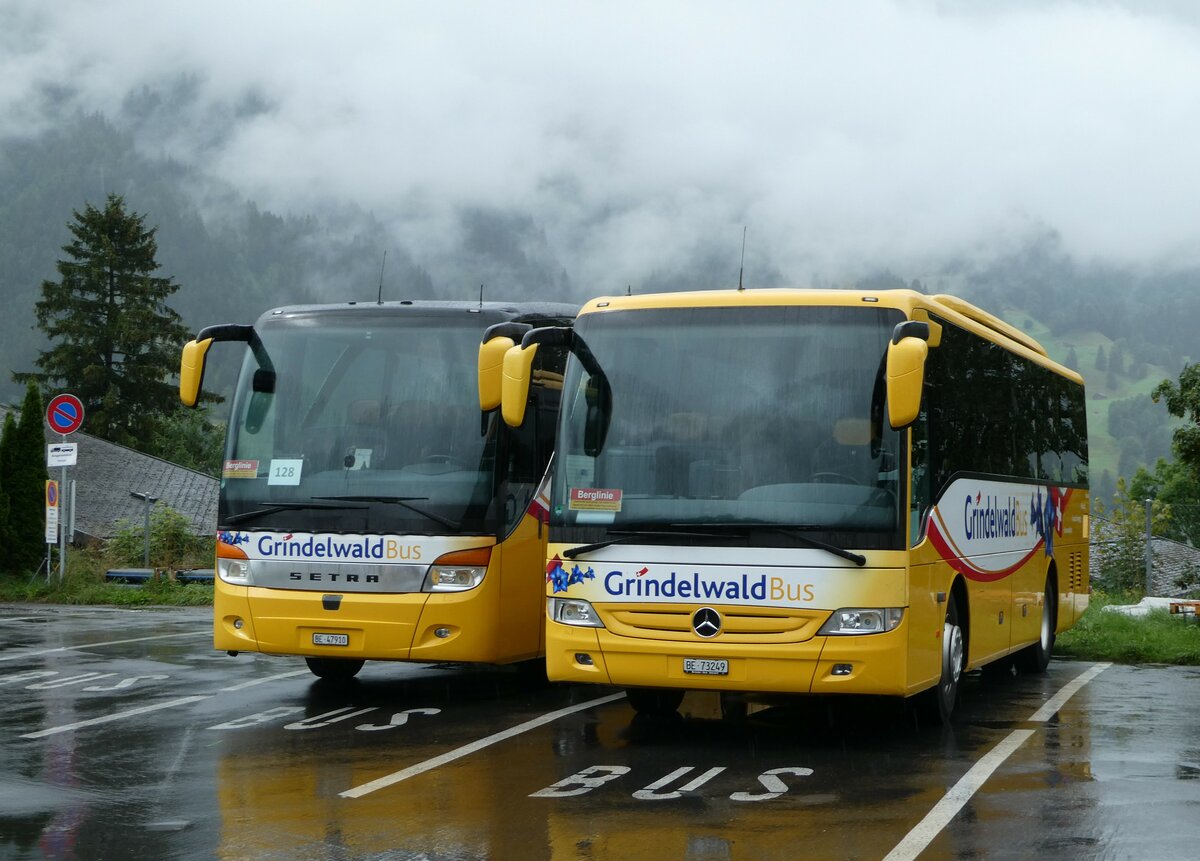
(54, 730)
(916, 841)
(84, 646)
(473, 747)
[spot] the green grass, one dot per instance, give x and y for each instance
(85, 584)
(1159, 638)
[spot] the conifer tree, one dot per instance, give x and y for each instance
(8, 438)
(24, 466)
(115, 342)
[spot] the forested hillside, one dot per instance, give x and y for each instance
(1124, 330)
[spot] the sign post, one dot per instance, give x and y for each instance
(51, 520)
(64, 414)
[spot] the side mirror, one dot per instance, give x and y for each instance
(906, 372)
(491, 372)
(192, 361)
(514, 384)
(191, 370)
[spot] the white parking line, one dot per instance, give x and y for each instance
(1056, 702)
(83, 646)
(916, 841)
(242, 686)
(42, 733)
(468, 749)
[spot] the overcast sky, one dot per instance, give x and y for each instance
(636, 135)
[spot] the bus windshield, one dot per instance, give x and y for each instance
(752, 416)
(341, 426)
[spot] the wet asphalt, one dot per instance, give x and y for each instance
(124, 735)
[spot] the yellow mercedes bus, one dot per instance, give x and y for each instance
(806, 492)
(366, 510)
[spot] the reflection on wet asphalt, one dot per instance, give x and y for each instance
(126, 736)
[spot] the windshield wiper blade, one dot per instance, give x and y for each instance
(403, 501)
(795, 530)
(274, 507)
(624, 535)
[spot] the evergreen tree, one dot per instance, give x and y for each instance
(1072, 360)
(1101, 361)
(115, 341)
(1116, 360)
(8, 438)
(24, 460)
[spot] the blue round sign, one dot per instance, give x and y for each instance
(64, 414)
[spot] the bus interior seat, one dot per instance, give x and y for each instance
(424, 429)
(847, 452)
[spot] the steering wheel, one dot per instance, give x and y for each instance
(829, 477)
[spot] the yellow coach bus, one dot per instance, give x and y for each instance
(814, 492)
(366, 511)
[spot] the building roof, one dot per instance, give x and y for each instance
(106, 474)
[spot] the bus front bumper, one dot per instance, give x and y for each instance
(868, 664)
(390, 627)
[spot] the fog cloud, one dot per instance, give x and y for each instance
(638, 137)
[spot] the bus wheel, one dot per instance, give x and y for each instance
(334, 669)
(654, 702)
(1035, 658)
(734, 707)
(940, 700)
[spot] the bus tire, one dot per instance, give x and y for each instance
(654, 702)
(1035, 658)
(943, 697)
(334, 669)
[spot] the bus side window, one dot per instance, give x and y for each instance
(922, 490)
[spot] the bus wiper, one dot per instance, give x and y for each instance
(796, 531)
(274, 507)
(625, 535)
(405, 502)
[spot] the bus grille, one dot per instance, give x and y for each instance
(1078, 576)
(738, 625)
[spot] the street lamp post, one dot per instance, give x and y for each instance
(149, 500)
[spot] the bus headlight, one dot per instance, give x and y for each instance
(235, 571)
(573, 611)
(455, 578)
(862, 620)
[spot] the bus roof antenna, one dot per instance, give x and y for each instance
(480, 297)
(381, 265)
(742, 265)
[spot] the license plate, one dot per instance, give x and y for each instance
(331, 639)
(705, 667)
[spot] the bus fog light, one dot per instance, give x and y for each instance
(455, 578)
(573, 611)
(441, 633)
(584, 659)
(842, 670)
(238, 623)
(862, 620)
(235, 571)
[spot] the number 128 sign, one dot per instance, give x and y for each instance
(64, 414)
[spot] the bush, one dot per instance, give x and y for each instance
(172, 544)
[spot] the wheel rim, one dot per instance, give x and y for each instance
(1047, 628)
(952, 655)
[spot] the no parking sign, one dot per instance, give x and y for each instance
(64, 414)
